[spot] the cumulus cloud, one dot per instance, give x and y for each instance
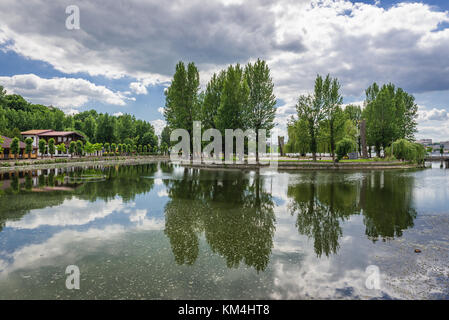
(433, 123)
(434, 114)
(142, 39)
(359, 43)
(138, 88)
(158, 125)
(60, 92)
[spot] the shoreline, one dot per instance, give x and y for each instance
(310, 165)
(281, 165)
(87, 161)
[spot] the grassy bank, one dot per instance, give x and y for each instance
(361, 164)
(282, 164)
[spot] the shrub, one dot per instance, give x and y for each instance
(409, 151)
(344, 146)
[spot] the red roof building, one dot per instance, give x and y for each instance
(60, 137)
(6, 146)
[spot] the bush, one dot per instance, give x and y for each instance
(408, 151)
(344, 146)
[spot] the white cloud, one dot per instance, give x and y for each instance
(60, 92)
(158, 125)
(357, 42)
(138, 88)
(434, 114)
(118, 114)
(433, 123)
(160, 110)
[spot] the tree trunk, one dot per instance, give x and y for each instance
(257, 146)
(332, 142)
(313, 145)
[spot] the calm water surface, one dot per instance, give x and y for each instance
(162, 231)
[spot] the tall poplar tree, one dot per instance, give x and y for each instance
(311, 108)
(181, 98)
(332, 105)
(234, 101)
(260, 110)
(212, 100)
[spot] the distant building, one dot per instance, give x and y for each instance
(6, 154)
(437, 146)
(60, 137)
(425, 142)
(445, 145)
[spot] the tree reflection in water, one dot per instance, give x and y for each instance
(322, 201)
(387, 204)
(36, 189)
(235, 213)
(233, 210)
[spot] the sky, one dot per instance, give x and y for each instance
(123, 56)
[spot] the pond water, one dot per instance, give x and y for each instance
(162, 231)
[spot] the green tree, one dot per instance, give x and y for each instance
(125, 127)
(332, 105)
(15, 147)
(107, 147)
(390, 115)
(353, 113)
(211, 103)
(260, 111)
(79, 147)
(312, 109)
(72, 147)
(181, 98)
(105, 128)
(344, 146)
(15, 133)
(234, 100)
(51, 147)
(89, 148)
(61, 148)
(29, 146)
(113, 148)
(164, 148)
(89, 127)
(298, 137)
(149, 138)
(350, 130)
(165, 136)
(42, 147)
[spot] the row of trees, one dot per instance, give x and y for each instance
(235, 98)
(80, 149)
(16, 115)
(323, 125)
